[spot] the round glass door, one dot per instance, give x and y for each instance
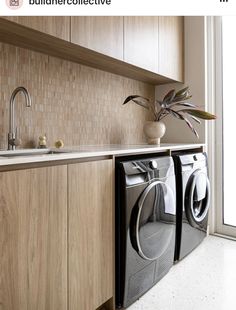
(197, 201)
(154, 221)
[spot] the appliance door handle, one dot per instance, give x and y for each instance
(199, 219)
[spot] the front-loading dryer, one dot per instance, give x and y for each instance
(145, 225)
(193, 201)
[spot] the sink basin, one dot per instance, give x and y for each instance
(32, 152)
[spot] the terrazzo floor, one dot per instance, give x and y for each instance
(204, 280)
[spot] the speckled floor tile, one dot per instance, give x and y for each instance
(204, 280)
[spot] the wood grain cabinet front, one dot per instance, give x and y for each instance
(103, 34)
(33, 239)
(57, 26)
(146, 48)
(155, 43)
(171, 47)
(91, 272)
(141, 41)
(57, 237)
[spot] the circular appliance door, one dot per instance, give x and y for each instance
(153, 223)
(197, 199)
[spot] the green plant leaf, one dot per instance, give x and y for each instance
(183, 97)
(130, 98)
(199, 113)
(181, 117)
(169, 96)
(182, 94)
(191, 127)
(175, 114)
(182, 91)
(142, 104)
(184, 104)
(195, 119)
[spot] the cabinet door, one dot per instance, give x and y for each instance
(141, 41)
(90, 234)
(57, 26)
(33, 239)
(103, 34)
(171, 33)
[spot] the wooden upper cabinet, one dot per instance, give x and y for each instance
(141, 41)
(33, 239)
(57, 26)
(91, 270)
(171, 49)
(103, 34)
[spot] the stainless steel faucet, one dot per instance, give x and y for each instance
(13, 140)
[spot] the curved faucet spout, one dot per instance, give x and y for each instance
(12, 141)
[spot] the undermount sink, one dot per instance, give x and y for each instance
(31, 152)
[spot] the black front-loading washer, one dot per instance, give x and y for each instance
(193, 201)
(145, 225)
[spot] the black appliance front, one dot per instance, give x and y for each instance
(193, 201)
(145, 225)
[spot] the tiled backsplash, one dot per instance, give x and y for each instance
(78, 104)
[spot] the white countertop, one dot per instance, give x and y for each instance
(77, 152)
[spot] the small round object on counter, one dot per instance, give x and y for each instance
(59, 144)
(43, 141)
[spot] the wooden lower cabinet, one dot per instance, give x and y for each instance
(56, 237)
(90, 234)
(33, 239)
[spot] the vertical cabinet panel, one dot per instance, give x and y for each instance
(90, 234)
(33, 239)
(103, 34)
(171, 36)
(57, 26)
(141, 41)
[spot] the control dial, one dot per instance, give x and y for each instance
(153, 164)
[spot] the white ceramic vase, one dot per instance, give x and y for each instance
(154, 131)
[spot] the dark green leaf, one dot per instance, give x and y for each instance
(181, 117)
(195, 119)
(169, 96)
(199, 113)
(175, 114)
(130, 98)
(191, 127)
(183, 97)
(185, 104)
(182, 91)
(142, 104)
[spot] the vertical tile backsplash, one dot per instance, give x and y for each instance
(78, 104)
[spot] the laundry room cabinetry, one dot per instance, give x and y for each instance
(57, 26)
(155, 43)
(171, 47)
(91, 242)
(103, 34)
(56, 237)
(33, 239)
(141, 41)
(146, 48)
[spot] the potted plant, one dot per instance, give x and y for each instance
(173, 104)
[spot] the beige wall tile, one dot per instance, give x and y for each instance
(78, 104)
